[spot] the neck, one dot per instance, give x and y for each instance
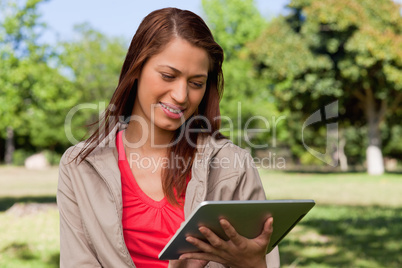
(147, 141)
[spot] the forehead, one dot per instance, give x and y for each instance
(183, 56)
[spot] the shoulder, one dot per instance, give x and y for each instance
(226, 148)
(75, 153)
(231, 174)
(72, 154)
(224, 153)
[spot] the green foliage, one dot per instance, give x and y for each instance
(17, 51)
(309, 160)
(233, 23)
(19, 157)
(39, 84)
(92, 63)
(393, 144)
(356, 139)
(34, 97)
(52, 157)
(350, 51)
(247, 102)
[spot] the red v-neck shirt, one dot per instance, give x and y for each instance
(147, 224)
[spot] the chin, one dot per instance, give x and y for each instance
(169, 127)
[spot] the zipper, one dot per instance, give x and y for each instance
(127, 253)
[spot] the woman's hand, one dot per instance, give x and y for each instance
(190, 263)
(238, 251)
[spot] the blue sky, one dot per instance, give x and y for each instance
(120, 17)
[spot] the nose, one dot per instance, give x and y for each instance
(179, 92)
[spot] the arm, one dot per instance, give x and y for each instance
(238, 251)
(75, 249)
(250, 188)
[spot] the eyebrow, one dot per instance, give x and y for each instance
(178, 71)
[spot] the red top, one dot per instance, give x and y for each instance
(147, 224)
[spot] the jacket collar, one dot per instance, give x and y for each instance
(196, 191)
(208, 147)
(104, 159)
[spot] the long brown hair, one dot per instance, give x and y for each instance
(154, 32)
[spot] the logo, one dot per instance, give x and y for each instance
(330, 111)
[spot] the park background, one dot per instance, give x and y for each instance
(283, 66)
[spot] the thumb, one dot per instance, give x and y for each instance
(265, 236)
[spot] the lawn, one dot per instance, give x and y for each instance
(28, 238)
(357, 221)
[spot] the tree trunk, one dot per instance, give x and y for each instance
(8, 158)
(375, 161)
(343, 160)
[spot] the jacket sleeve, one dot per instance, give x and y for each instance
(250, 188)
(75, 248)
(249, 185)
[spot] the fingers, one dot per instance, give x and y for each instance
(235, 250)
(184, 262)
(200, 256)
(212, 238)
(209, 252)
(231, 232)
(268, 226)
(205, 247)
(267, 230)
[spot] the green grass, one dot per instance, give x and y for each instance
(357, 221)
(30, 241)
(345, 236)
(335, 188)
(19, 185)
(20, 182)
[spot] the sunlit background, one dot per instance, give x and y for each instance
(121, 18)
(319, 81)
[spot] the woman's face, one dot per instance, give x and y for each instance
(172, 85)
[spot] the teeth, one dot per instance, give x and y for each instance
(170, 109)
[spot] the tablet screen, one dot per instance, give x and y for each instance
(247, 217)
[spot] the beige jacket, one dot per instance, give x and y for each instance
(90, 201)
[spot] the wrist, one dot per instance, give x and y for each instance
(261, 264)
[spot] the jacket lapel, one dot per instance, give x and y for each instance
(196, 191)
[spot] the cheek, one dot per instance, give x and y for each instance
(151, 87)
(197, 97)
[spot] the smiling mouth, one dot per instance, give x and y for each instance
(170, 109)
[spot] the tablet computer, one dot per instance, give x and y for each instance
(247, 217)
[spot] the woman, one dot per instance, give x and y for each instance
(125, 191)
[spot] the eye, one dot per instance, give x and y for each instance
(167, 76)
(197, 84)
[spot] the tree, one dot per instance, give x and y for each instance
(20, 54)
(348, 50)
(40, 86)
(92, 63)
(235, 23)
(34, 96)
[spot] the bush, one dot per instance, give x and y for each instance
(52, 157)
(19, 157)
(308, 159)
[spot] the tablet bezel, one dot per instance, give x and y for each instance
(286, 214)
